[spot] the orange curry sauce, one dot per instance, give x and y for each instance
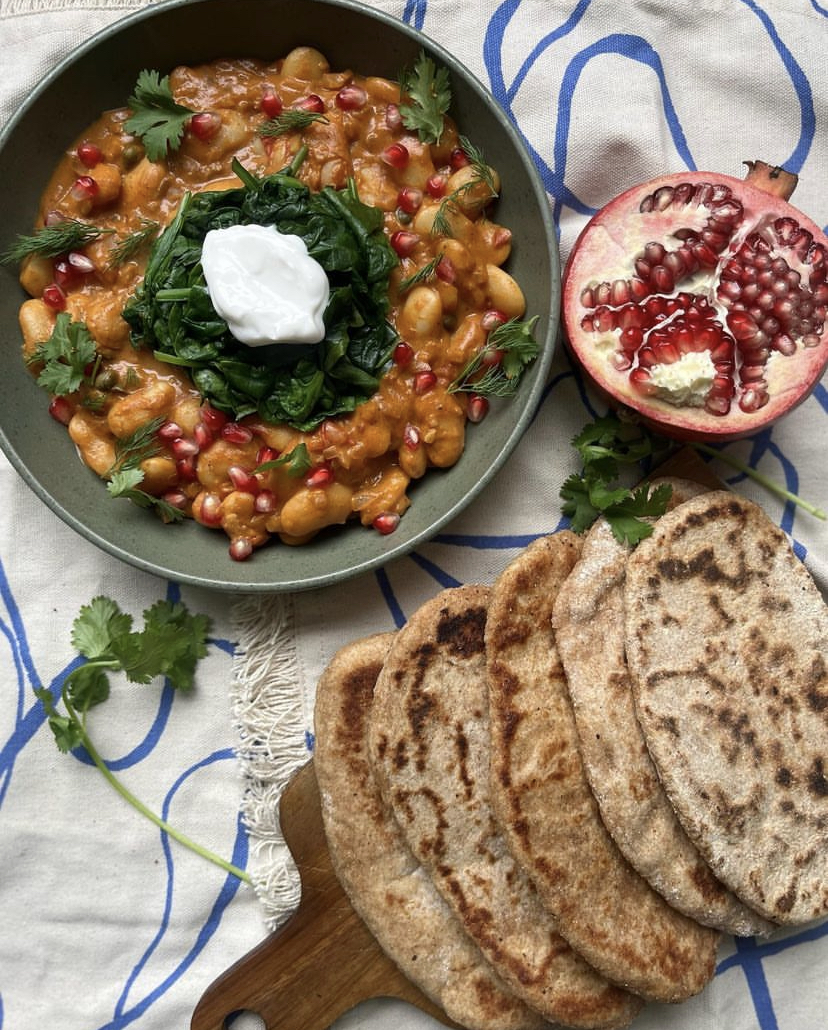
(362, 462)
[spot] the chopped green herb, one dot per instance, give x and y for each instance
(296, 462)
(429, 91)
(170, 645)
(156, 116)
(124, 477)
(66, 356)
(53, 240)
(130, 245)
(422, 275)
(516, 347)
(292, 120)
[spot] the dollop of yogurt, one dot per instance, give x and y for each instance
(685, 382)
(265, 285)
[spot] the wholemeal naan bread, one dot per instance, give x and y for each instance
(589, 628)
(727, 645)
(543, 800)
(429, 742)
(385, 883)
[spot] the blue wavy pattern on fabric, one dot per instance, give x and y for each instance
(29, 718)
(750, 953)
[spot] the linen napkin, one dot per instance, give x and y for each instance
(102, 923)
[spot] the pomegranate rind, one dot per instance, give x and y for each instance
(604, 253)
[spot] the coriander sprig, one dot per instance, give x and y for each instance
(170, 645)
(156, 116)
(66, 357)
(428, 89)
(125, 475)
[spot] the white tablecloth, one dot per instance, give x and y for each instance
(105, 925)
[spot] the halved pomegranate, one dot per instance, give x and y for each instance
(700, 301)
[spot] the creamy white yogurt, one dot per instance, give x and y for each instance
(265, 285)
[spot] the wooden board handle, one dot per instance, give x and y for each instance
(324, 960)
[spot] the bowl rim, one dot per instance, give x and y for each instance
(386, 549)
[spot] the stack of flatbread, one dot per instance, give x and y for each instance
(549, 797)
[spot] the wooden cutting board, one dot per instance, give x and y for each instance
(324, 960)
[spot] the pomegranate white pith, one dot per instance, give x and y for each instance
(701, 302)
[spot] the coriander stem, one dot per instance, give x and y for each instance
(762, 479)
(129, 797)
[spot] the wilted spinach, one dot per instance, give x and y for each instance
(171, 311)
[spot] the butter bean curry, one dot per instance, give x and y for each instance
(138, 417)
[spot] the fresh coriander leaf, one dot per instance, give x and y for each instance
(96, 625)
(125, 484)
(577, 504)
(188, 640)
(516, 344)
(296, 462)
(292, 120)
(127, 247)
(53, 240)
(88, 687)
(429, 90)
(626, 514)
(65, 356)
(623, 442)
(156, 116)
(67, 733)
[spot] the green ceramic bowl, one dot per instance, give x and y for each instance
(101, 74)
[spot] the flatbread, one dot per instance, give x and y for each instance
(589, 626)
(385, 883)
(727, 644)
(429, 743)
(543, 800)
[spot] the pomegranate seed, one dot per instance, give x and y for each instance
(240, 548)
(320, 477)
(424, 381)
(84, 188)
(266, 502)
(61, 410)
(214, 419)
(208, 509)
(80, 263)
(89, 154)
(271, 103)
(351, 98)
(386, 522)
(396, 155)
(458, 158)
(404, 243)
(243, 480)
(492, 319)
(491, 357)
(312, 103)
(445, 270)
(184, 448)
(205, 126)
(436, 185)
(176, 498)
(409, 200)
(478, 408)
(411, 437)
(65, 276)
(54, 297)
(266, 454)
(393, 118)
(186, 468)
(235, 432)
(202, 435)
(403, 354)
(169, 431)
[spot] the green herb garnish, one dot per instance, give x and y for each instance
(292, 120)
(422, 275)
(295, 462)
(171, 311)
(481, 173)
(130, 245)
(124, 477)
(66, 356)
(517, 349)
(604, 446)
(170, 645)
(156, 116)
(53, 240)
(429, 91)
